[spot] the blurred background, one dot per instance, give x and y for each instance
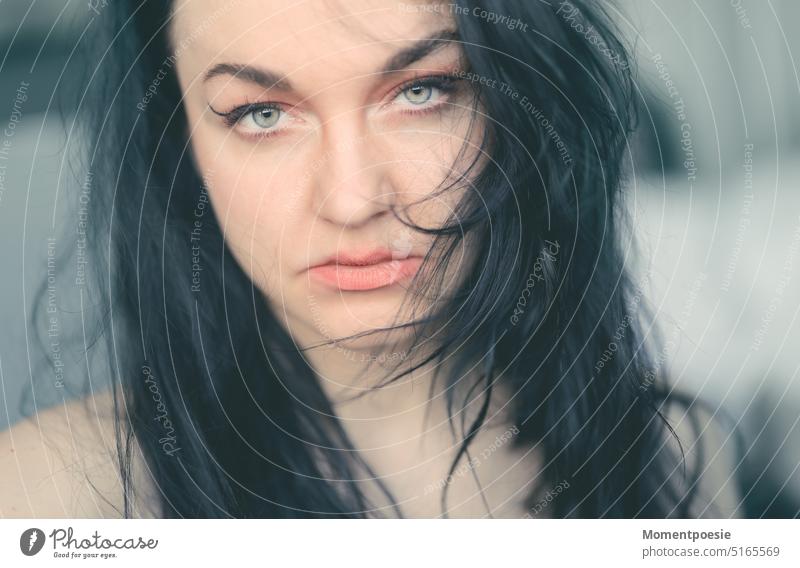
(714, 193)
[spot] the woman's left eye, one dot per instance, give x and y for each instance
(428, 90)
(418, 94)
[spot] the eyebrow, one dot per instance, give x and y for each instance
(400, 60)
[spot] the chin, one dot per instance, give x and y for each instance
(339, 315)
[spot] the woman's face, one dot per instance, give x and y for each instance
(346, 121)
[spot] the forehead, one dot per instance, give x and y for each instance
(290, 33)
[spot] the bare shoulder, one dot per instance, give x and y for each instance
(709, 448)
(62, 463)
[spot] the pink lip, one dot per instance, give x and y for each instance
(367, 271)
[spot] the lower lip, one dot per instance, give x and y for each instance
(370, 277)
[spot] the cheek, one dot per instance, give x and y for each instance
(246, 182)
(250, 199)
(439, 152)
(428, 178)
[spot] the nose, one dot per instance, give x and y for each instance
(352, 183)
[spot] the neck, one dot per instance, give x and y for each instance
(365, 392)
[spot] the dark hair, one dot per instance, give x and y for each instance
(550, 306)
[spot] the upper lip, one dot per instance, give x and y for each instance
(362, 258)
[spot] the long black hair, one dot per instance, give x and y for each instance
(549, 306)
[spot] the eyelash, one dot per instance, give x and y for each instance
(445, 83)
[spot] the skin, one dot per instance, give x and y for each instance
(345, 150)
(60, 463)
(359, 137)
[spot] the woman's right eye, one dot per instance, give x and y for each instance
(265, 117)
(254, 120)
